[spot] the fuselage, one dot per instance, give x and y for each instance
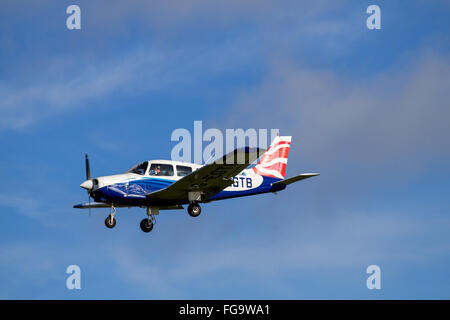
(130, 188)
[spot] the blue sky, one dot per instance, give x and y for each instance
(367, 109)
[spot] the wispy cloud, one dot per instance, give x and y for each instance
(81, 78)
(25, 266)
(349, 241)
(24, 204)
(79, 83)
(22, 105)
(368, 120)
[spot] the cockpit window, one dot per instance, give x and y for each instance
(183, 171)
(158, 169)
(139, 169)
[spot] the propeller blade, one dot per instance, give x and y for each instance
(88, 169)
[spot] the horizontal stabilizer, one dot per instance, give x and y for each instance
(295, 179)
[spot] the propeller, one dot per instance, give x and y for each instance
(88, 168)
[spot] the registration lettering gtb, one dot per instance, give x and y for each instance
(242, 182)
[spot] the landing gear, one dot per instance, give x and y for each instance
(194, 209)
(148, 223)
(110, 221)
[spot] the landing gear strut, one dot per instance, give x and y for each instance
(194, 209)
(110, 222)
(147, 223)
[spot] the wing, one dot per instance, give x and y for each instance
(210, 179)
(90, 205)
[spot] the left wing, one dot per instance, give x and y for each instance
(89, 205)
(210, 179)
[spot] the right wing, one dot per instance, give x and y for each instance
(209, 179)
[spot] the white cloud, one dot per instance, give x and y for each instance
(26, 266)
(60, 83)
(67, 82)
(173, 16)
(306, 244)
(23, 204)
(365, 120)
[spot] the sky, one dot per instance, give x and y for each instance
(368, 109)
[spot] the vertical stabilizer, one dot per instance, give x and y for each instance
(274, 160)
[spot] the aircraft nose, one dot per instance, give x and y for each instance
(88, 184)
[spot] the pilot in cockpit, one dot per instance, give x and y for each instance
(157, 171)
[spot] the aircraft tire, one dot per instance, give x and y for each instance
(194, 210)
(110, 222)
(146, 225)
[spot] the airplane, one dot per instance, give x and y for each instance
(164, 184)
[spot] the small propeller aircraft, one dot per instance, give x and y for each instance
(163, 184)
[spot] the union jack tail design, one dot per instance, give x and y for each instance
(274, 160)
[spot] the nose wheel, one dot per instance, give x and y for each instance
(110, 221)
(194, 209)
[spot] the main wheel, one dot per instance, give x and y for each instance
(146, 225)
(110, 222)
(194, 210)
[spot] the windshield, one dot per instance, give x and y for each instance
(139, 169)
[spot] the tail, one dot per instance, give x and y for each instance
(274, 160)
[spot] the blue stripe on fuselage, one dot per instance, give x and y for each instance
(136, 189)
